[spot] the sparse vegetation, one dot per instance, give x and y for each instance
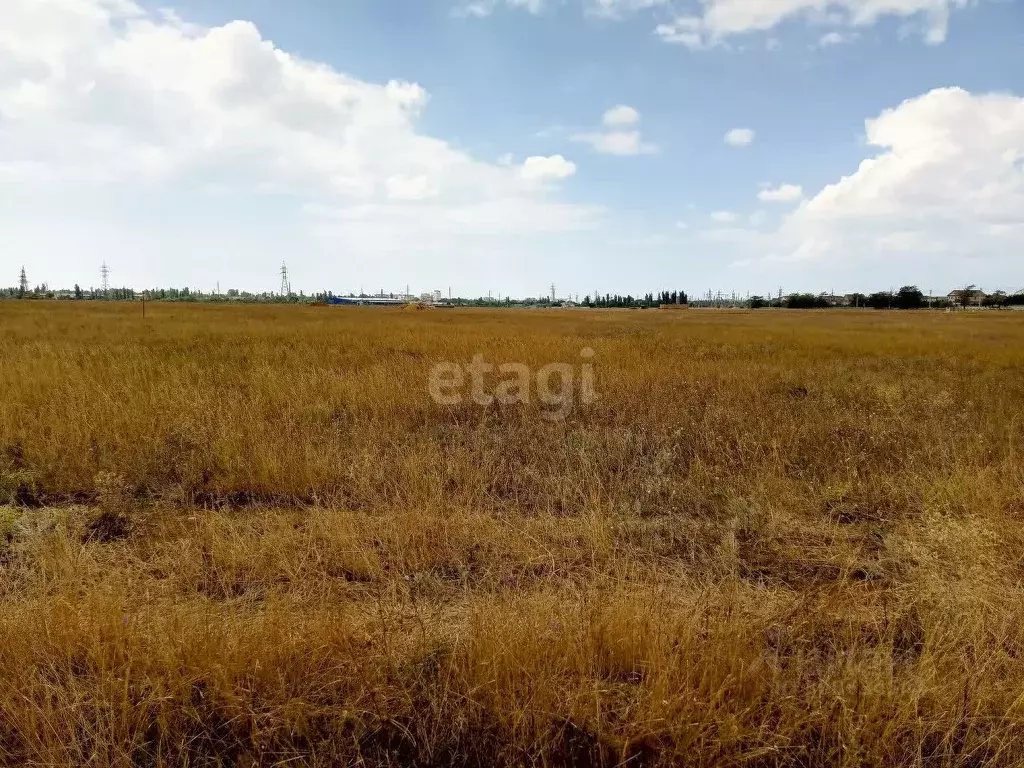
(247, 536)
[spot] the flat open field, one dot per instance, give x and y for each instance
(249, 535)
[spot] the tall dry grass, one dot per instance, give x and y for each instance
(248, 536)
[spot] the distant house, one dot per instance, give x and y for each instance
(974, 297)
(835, 300)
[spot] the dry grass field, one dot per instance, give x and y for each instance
(248, 536)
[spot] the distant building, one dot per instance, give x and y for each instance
(975, 296)
(837, 300)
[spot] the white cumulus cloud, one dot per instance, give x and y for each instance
(621, 115)
(939, 201)
(684, 30)
(830, 39)
(714, 22)
(723, 217)
(617, 9)
(548, 168)
(479, 9)
(721, 19)
(622, 143)
(948, 180)
(784, 193)
(739, 137)
(621, 135)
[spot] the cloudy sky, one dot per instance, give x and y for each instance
(502, 145)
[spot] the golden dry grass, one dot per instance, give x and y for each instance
(246, 535)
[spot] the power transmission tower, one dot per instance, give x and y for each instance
(105, 278)
(552, 293)
(23, 283)
(286, 287)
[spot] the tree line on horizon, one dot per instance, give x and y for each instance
(907, 297)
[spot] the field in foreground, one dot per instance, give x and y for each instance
(247, 535)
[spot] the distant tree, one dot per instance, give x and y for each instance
(802, 301)
(909, 297)
(880, 300)
(78, 292)
(757, 302)
(1015, 300)
(996, 299)
(858, 300)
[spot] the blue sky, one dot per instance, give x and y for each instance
(209, 140)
